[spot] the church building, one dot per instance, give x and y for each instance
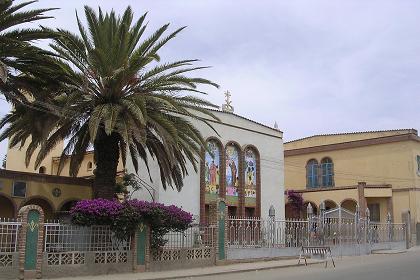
(244, 166)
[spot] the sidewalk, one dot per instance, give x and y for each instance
(204, 271)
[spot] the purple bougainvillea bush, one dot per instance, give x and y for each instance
(95, 212)
(295, 199)
(124, 218)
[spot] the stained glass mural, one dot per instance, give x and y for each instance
(212, 168)
(232, 169)
(250, 174)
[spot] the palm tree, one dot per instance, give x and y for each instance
(20, 61)
(118, 98)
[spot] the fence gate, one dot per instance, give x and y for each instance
(345, 232)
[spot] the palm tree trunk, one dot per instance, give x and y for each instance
(107, 154)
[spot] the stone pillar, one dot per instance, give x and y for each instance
(406, 218)
(31, 241)
(141, 248)
(361, 197)
(213, 209)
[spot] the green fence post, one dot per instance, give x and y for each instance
(221, 213)
(31, 238)
(142, 242)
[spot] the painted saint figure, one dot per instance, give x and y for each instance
(233, 172)
(250, 173)
(213, 173)
(211, 168)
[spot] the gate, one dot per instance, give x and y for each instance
(345, 232)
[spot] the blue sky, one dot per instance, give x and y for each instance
(312, 66)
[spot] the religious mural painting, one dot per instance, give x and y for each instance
(232, 170)
(212, 168)
(250, 174)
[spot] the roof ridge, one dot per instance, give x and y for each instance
(245, 118)
(411, 130)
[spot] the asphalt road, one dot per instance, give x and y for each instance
(405, 266)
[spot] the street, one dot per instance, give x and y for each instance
(403, 266)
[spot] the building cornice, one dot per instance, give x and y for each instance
(385, 186)
(352, 144)
(44, 178)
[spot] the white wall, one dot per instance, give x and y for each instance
(233, 128)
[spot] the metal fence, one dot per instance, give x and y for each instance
(196, 236)
(258, 233)
(195, 245)
(66, 237)
(386, 232)
(9, 229)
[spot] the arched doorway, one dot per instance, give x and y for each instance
(44, 204)
(329, 204)
(63, 213)
(349, 204)
(7, 207)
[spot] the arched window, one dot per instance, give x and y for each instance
(42, 170)
(89, 166)
(312, 174)
(212, 168)
(232, 170)
(327, 172)
(250, 172)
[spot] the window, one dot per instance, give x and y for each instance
(312, 174)
(42, 170)
(19, 189)
(327, 172)
(375, 212)
(89, 166)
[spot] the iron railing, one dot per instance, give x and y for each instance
(9, 229)
(65, 238)
(196, 236)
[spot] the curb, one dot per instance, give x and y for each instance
(388, 252)
(232, 271)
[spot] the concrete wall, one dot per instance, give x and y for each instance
(234, 128)
(89, 267)
(338, 196)
(41, 187)
(16, 158)
(84, 171)
(390, 163)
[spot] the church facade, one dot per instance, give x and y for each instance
(243, 165)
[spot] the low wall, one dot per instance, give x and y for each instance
(65, 264)
(256, 253)
(169, 259)
(9, 265)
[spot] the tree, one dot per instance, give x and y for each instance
(22, 63)
(116, 96)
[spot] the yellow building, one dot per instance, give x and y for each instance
(21, 185)
(15, 161)
(379, 170)
(55, 194)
